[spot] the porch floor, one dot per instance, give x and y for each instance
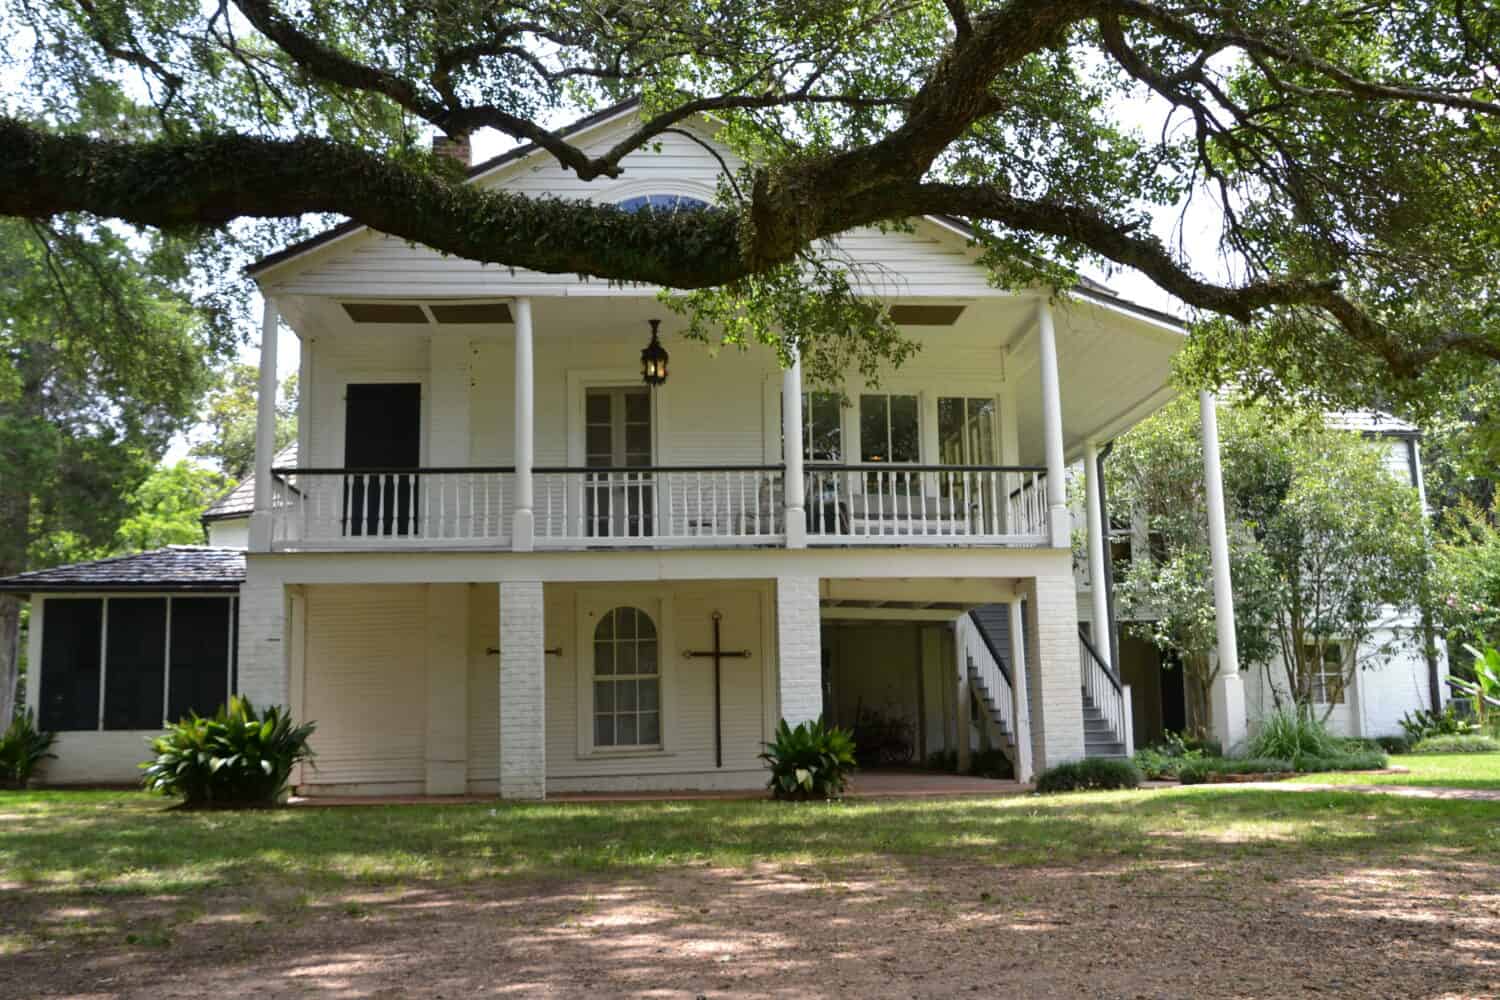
(883, 784)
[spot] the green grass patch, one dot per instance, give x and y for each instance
(1438, 770)
(127, 844)
(1471, 743)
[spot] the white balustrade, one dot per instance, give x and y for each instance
(340, 508)
(659, 506)
(907, 504)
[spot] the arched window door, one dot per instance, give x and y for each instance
(627, 680)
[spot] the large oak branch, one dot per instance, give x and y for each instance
(211, 180)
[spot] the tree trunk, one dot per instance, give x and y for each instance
(10, 661)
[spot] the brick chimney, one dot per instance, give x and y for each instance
(458, 149)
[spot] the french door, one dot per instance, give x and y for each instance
(382, 436)
(618, 503)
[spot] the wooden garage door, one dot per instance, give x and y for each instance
(365, 684)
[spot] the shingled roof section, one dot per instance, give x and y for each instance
(174, 568)
(240, 501)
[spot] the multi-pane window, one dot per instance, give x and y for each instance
(822, 434)
(151, 658)
(1327, 672)
(889, 428)
(627, 680)
(966, 430)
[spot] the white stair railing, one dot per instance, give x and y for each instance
(1109, 696)
(988, 672)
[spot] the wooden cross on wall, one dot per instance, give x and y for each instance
(719, 654)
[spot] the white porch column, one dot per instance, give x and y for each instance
(794, 483)
(799, 649)
(1098, 549)
(523, 692)
(1054, 680)
(264, 670)
(1227, 699)
(1019, 671)
(523, 528)
(1052, 432)
(265, 430)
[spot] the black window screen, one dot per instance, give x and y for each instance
(199, 678)
(70, 664)
(135, 657)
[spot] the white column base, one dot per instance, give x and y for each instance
(523, 692)
(1052, 662)
(260, 532)
(1227, 706)
(799, 649)
(796, 528)
(523, 531)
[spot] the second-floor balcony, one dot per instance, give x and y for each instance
(660, 506)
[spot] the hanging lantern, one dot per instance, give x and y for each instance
(654, 359)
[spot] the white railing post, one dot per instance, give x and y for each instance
(1058, 526)
(262, 516)
(794, 486)
(523, 532)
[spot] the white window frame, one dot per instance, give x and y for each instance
(1320, 681)
(591, 605)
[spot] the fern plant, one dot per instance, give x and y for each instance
(809, 761)
(22, 748)
(235, 757)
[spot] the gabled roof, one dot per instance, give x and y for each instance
(174, 568)
(240, 501)
(478, 169)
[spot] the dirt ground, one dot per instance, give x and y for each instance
(1241, 929)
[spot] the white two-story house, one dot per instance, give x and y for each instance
(502, 562)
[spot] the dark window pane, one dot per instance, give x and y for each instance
(824, 440)
(905, 437)
(596, 407)
(604, 658)
(625, 623)
(646, 628)
(638, 407)
(135, 662)
(650, 728)
(69, 692)
(646, 658)
(625, 696)
(625, 730)
(649, 698)
(604, 730)
(199, 678)
(604, 696)
(950, 430)
(874, 437)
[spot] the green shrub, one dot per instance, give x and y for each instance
(1423, 723)
(810, 761)
(1291, 736)
(991, 764)
(1196, 772)
(1393, 744)
(1164, 759)
(235, 757)
(1087, 775)
(1365, 760)
(1472, 743)
(22, 748)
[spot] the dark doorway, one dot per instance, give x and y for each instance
(1173, 694)
(382, 435)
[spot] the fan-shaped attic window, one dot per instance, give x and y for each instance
(668, 203)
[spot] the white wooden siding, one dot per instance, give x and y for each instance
(365, 685)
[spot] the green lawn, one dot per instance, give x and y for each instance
(1450, 770)
(127, 843)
